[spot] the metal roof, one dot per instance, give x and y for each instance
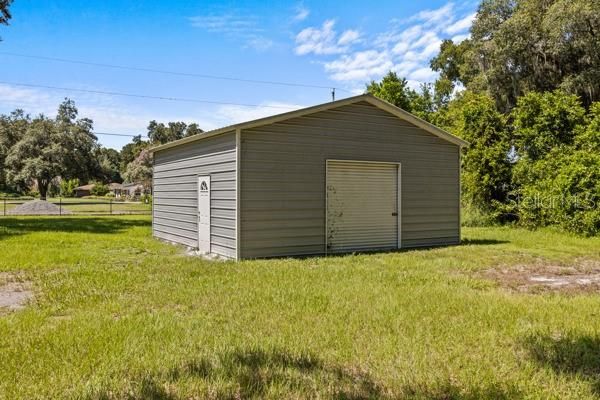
(369, 98)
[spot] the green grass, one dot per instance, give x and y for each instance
(120, 315)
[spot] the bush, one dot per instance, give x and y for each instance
(100, 189)
(110, 194)
(472, 216)
(486, 169)
(67, 187)
(146, 198)
(562, 189)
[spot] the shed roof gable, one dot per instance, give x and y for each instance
(381, 104)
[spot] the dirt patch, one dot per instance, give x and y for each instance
(580, 276)
(14, 292)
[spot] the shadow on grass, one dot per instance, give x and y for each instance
(258, 374)
(20, 226)
(574, 356)
(464, 242)
(449, 391)
(255, 374)
(482, 242)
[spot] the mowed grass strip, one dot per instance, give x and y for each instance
(119, 315)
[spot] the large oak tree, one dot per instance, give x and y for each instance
(519, 46)
(50, 148)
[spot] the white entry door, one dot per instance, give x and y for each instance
(204, 214)
(363, 206)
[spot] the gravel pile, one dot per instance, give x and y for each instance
(37, 207)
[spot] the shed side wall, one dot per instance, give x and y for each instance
(283, 181)
(176, 192)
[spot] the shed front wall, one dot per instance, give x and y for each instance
(176, 172)
(283, 166)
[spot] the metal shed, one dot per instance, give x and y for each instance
(350, 175)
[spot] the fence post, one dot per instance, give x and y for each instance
(5, 206)
(110, 202)
(60, 205)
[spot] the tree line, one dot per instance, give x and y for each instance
(524, 90)
(57, 153)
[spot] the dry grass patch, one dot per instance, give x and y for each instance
(15, 292)
(580, 276)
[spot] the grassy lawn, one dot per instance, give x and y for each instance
(118, 314)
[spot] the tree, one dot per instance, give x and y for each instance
(79, 143)
(12, 129)
(4, 12)
(588, 138)
(450, 63)
(140, 169)
(38, 156)
(50, 148)
(130, 151)
(109, 161)
(519, 46)
(159, 133)
(544, 121)
(486, 168)
(395, 90)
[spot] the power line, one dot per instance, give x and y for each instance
(118, 134)
(142, 96)
(160, 71)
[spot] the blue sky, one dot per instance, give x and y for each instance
(331, 44)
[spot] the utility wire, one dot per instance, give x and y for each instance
(160, 71)
(117, 134)
(143, 96)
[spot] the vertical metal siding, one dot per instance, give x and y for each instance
(283, 180)
(362, 206)
(175, 181)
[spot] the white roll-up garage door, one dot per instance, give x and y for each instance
(362, 206)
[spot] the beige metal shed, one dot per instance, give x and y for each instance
(356, 174)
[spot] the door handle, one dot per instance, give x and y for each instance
(394, 214)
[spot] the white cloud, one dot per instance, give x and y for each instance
(235, 26)
(32, 101)
(406, 47)
(232, 114)
(348, 37)
(225, 23)
(461, 25)
(361, 65)
(259, 43)
(324, 40)
(423, 74)
(404, 68)
(460, 38)
(301, 13)
(318, 40)
(439, 15)
(108, 113)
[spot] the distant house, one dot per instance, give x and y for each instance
(117, 189)
(133, 189)
(85, 190)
